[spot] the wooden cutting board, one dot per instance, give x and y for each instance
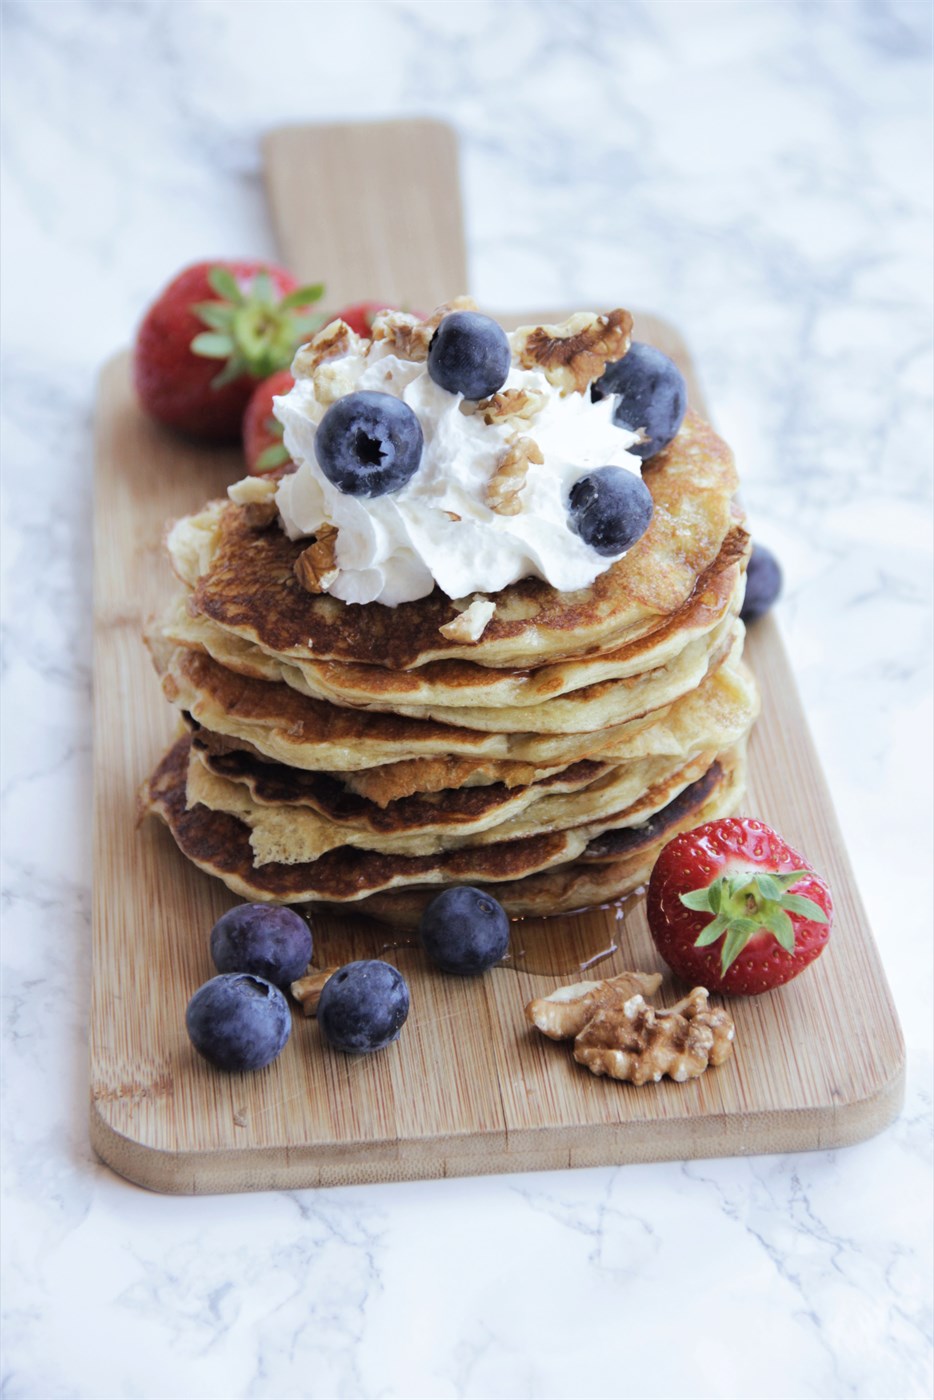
(374, 210)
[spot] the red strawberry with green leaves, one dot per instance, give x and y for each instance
(263, 448)
(215, 331)
(733, 908)
(359, 317)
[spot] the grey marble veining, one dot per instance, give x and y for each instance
(760, 173)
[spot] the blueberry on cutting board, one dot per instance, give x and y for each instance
(763, 583)
(238, 1021)
(363, 1006)
(464, 930)
(266, 939)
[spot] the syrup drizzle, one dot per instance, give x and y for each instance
(554, 945)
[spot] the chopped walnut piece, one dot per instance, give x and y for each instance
(511, 403)
(504, 486)
(252, 490)
(470, 625)
(575, 353)
(316, 567)
(617, 1033)
(335, 339)
(307, 989)
(257, 496)
(406, 336)
(457, 304)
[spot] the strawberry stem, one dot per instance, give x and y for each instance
(747, 903)
(248, 329)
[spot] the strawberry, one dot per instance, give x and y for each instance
(263, 448)
(359, 317)
(207, 339)
(736, 883)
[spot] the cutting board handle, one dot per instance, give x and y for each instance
(372, 209)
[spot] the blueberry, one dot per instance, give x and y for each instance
(363, 1006)
(469, 354)
(238, 1021)
(763, 583)
(610, 509)
(464, 930)
(650, 394)
(369, 444)
(264, 939)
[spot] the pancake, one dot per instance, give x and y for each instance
(295, 835)
(293, 729)
(585, 884)
(315, 813)
(219, 844)
(296, 816)
(242, 579)
(452, 684)
(585, 710)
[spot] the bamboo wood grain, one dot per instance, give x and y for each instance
(467, 1088)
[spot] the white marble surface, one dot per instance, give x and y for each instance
(759, 173)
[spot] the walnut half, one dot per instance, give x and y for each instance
(316, 567)
(577, 352)
(617, 1033)
(504, 486)
(307, 990)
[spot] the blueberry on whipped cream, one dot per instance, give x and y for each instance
(649, 394)
(610, 509)
(479, 496)
(368, 444)
(469, 354)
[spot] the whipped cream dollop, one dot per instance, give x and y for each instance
(438, 528)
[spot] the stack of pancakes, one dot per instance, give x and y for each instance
(355, 756)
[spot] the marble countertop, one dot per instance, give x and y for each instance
(759, 173)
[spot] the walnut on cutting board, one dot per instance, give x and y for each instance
(617, 1033)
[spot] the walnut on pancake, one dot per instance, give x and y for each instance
(316, 567)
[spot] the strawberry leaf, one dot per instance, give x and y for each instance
(262, 289)
(712, 932)
(768, 886)
(212, 346)
(789, 879)
(216, 314)
(302, 296)
(274, 456)
(800, 904)
(231, 371)
(778, 923)
(697, 899)
(733, 945)
(738, 935)
(223, 282)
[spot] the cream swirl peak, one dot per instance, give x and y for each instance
(488, 503)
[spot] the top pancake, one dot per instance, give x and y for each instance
(242, 579)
